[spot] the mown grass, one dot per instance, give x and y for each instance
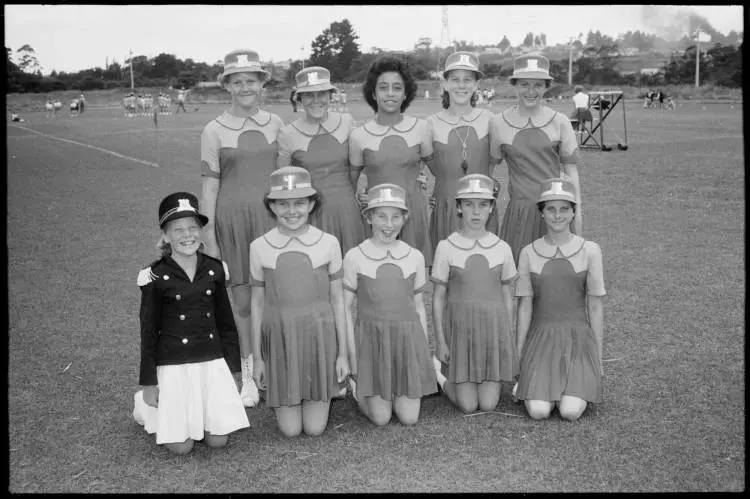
(668, 214)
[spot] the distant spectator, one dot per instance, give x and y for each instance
(293, 99)
(181, 94)
(81, 103)
(581, 112)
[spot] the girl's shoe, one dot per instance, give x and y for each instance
(352, 387)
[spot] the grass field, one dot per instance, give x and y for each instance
(668, 214)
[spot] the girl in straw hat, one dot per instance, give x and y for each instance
(391, 147)
(460, 140)
(472, 302)
(189, 346)
(560, 326)
(238, 152)
(319, 142)
(388, 348)
(537, 143)
(299, 330)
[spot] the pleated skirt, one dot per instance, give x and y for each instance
(393, 360)
(237, 225)
(300, 356)
(193, 399)
(482, 344)
(560, 358)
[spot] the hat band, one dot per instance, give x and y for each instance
(171, 212)
(285, 187)
(532, 70)
(232, 65)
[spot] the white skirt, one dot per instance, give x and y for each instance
(193, 398)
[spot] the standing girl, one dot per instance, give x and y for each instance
(188, 338)
(560, 312)
(238, 152)
(319, 142)
(391, 147)
(299, 341)
(388, 348)
(537, 143)
(460, 140)
(472, 302)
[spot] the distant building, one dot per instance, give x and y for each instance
(493, 50)
(650, 71)
(424, 43)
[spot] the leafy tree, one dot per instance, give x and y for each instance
(336, 49)
(543, 39)
(529, 40)
(537, 41)
(294, 68)
(28, 62)
(504, 44)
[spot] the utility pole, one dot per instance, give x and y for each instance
(302, 53)
(132, 80)
(570, 64)
(697, 56)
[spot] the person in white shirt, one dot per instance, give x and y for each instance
(581, 110)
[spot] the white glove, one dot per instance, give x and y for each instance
(249, 393)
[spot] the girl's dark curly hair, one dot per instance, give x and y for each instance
(384, 65)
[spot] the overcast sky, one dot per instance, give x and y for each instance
(71, 38)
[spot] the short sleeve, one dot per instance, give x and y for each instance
(421, 275)
(256, 266)
(568, 143)
(355, 149)
(523, 284)
(440, 264)
(350, 270)
(210, 146)
(595, 267)
(348, 124)
(284, 142)
(509, 265)
(335, 262)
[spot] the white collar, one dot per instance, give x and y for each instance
(330, 125)
(397, 251)
(373, 128)
(542, 248)
(461, 242)
(508, 113)
(280, 241)
(447, 117)
(261, 118)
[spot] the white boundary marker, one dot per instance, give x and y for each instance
(101, 149)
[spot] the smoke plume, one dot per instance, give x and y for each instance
(673, 23)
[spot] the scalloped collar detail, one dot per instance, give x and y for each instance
(397, 251)
(487, 241)
(330, 125)
(567, 250)
(406, 125)
(529, 123)
(261, 118)
(280, 241)
(452, 120)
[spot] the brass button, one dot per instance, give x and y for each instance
(182, 317)
(208, 292)
(184, 341)
(210, 272)
(211, 335)
(178, 297)
(208, 314)
(166, 277)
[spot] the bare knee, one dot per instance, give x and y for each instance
(314, 429)
(380, 418)
(467, 405)
(180, 448)
(538, 409)
(571, 410)
(407, 418)
(215, 441)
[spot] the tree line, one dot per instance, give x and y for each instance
(597, 62)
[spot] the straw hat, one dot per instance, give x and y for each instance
(557, 189)
(462, 60)
(383, 195)
(530, 66)
(290, 182)
(313, 79)
(475, 186)
(242, 61)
